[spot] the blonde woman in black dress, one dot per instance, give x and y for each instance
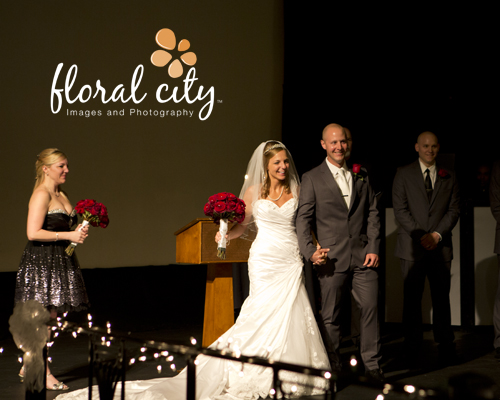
(46, 273)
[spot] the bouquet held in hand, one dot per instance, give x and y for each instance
(93, 213)
(223, 208)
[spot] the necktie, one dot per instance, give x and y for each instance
(428, 184)
(344, 187)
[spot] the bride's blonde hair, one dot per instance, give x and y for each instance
(270, 150)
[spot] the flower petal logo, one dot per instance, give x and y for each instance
(166, 39)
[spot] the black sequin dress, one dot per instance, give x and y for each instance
(47, 274)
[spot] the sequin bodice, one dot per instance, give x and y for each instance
(59, 221)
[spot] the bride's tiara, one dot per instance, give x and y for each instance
(275, 146)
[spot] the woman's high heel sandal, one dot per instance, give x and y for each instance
(58, 385)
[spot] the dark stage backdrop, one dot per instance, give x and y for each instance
(154, 172)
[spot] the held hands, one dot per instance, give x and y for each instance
(429, 241)
(319, 256)
(78, 236)
(371, 260)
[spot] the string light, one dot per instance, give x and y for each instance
(108, 326)
(159, 369)
(293, 389)
(142, 358)
(327, 375)
(132, 361)
(89, 317)
(20, 360)
(1, 350)
(380, 397)
(409, 388)
(353, 361)
(75, 334)
(56, 334)
(164, 353)
(272, 392)
(193, 341)
(156, 355)
(65, 314)
(170, 358)
(196, 362)
(49, 359)
(50, 344)
(172, 367)
(143, 349)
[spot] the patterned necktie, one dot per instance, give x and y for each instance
(428, 184)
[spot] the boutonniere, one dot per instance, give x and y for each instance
(443, 174)
(356, 169)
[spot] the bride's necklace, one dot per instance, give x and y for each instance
(279, 197)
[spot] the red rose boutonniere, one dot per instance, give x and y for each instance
(356, 169)
(443, 174)
(223, 208)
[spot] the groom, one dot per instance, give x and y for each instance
(339, 206)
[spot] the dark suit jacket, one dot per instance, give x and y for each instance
(417, 216)
(495, 201)
(354, 231)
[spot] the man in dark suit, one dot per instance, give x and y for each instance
(495, 209)
(340, 207)
(426, 205)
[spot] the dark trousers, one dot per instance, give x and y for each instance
(363, 283)
(438, 273)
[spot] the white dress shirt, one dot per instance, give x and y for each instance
(337, 174)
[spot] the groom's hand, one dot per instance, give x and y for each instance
(319, 256)
(371, 260)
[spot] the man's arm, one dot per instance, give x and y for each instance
(305, 214)
(450, 219)
(373, 226)
(402, 210)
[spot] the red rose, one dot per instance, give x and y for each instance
(231, 197)
(240, 218)
(212, 199)
(240, 208)
(442, 173)
(221, 196)
(208, 209)
(356, 168)
(231, 205)
(104, 222)
(219, 207)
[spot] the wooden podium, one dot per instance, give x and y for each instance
(195, 244)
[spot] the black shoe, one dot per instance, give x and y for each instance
(497, 352)
(375, 375)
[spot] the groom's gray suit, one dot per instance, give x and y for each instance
(350, 234)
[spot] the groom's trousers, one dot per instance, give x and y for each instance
(363, 283)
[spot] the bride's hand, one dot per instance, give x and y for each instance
(218, 237)
(319, 256)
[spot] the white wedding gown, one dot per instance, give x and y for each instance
(276, 321)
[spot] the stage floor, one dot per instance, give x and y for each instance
(70, 357)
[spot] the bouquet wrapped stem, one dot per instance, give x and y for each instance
(71, 248)
(221, 249)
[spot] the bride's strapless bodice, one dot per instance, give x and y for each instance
(276, 229)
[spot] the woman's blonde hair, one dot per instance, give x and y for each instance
(270, 150)
(46, 158)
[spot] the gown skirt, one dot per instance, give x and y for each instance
(276, 322)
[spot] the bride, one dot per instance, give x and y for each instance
(276, 320)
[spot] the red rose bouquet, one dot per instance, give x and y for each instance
(93, 213)
(223, 208)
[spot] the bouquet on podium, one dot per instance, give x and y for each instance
(93, 213)
(224, 208)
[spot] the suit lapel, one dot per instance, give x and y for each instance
(419, 178)
(332, 183)
(356, 187)
(437, 186)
